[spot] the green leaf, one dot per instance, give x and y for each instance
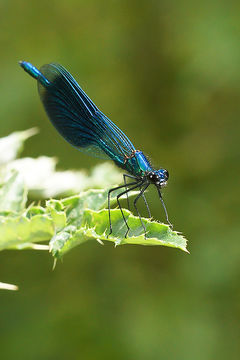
(72, 221)
(18, 230)
(95, 226)
(13, 193)
(12, 145)
(55, 208)
(43, 181)
(87, 222)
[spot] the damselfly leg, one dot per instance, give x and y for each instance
(135, 204)
(164, 207)
(109, 198)
(120, 207)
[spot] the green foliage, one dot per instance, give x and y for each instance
(70, 221)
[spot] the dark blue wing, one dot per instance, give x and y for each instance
(78, 120)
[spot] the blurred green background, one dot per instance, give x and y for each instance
(168, 73)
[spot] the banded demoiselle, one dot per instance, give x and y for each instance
(86, 128)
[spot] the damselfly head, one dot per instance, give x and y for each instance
(159, 177)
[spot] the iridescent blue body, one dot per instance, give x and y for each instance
(86, 128)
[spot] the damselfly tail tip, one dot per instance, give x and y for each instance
(33, 71)
(21, 63)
